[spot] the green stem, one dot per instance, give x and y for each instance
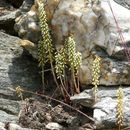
(63, 86)
(43, 83)
(53, 73)
(74, 81)
(78, 83)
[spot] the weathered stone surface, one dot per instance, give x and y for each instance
(105, 105)
(16, 68)
(113, 71)
(94, 30)
(4, 5)
(125, 3)
(6, 117)
(30, 47)
(27, 21)
(2, 125)
(28, 27)
(8, 18)
(13, 126)
(1, 128)
(53, 126)
(10, 107)
(25, 7)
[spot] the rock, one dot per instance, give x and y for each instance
(105, 106)
(30, 47)
(8, 18)
(28, 28)
(27, 21)
(105, 37)
(2, 125)
(16, 69)
(125, 3)
(7, 22)
(11, 109)
(25, 7)
(5, 116)
(94, 32)
(85, 98)
(4, 5)
(15, 3)
(13, 126)
(53, 126)
(81, 21)
(113, 72)
(1, 128)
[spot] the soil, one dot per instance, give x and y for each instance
(36, 115)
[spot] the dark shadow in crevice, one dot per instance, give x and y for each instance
(8, 28)
(24, 72)
(15, 3)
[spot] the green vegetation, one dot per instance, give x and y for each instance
(66, 59)
(96, 75)
(67, 63)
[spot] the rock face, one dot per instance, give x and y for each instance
(105, 106)
(95, 33)
(27, 22)
(15, 3)
(125, 3)
(11, 126)
(16, 68)
(7, 17)
(53, 126)
(94, 30)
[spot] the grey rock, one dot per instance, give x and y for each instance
(105, 105)
(25, 7)
(1, 128)
(5, 4)
(8, 18)
(125, 3)
(6, 117)
(9, 106)
(2, 125)
(94, 33)
(28, 27)
(27, 21)
(16, 69)
(13, 126)
(85, 98)
(113, 71)
(30, 47)
(53, 126)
